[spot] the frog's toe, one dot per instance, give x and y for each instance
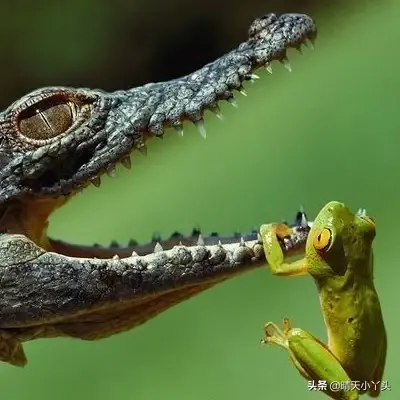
(287, 326)
(274, 334)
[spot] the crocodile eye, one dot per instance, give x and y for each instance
(47, 118)
(322, 239)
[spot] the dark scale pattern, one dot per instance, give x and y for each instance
(121, 121)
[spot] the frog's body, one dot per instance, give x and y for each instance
(356, 333)
(339, 257)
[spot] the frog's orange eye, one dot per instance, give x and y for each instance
(322, 239)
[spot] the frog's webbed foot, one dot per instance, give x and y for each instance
(272, 235)
(274, 334)
(313, 359)
(11, 350)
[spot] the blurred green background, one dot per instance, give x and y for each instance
(327, 131)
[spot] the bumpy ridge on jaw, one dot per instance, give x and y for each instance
(151, 108)
(300, 228)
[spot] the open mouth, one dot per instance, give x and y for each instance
(55, 141)
(68, 138)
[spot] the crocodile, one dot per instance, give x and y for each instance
(56, 141)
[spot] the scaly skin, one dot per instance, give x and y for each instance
(55, 141)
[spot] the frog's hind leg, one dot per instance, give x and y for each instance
(313, 359)
(278, 336)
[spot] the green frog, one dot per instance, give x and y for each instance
(339, 257)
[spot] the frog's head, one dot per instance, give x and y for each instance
(340, 240)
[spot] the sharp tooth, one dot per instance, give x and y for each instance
(134, 254)
(116, 257)
(96, 181)
(200, 241)
(158, 248)
(179, 129)
(201, 128)
(310, 224)
(219, 115)
(233, 102)
(111, 172)
(143, 150)
(304, 222)
(310, 42)
(126, 161)
(243, 92)
(215, 109)
(196, 231)
(242, 242)
(219, 243)
(268, 67)
(259, 238)
(286, 64)
(251, 77)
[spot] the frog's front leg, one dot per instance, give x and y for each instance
(311, 358)
(271, 235)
